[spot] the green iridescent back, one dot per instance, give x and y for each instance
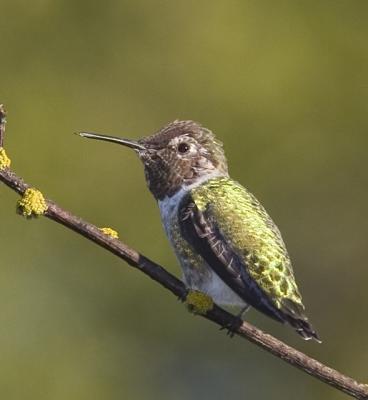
(255, 238)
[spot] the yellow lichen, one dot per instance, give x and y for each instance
(110, 232)
(4, 159)
(198, 302)
(32, 203)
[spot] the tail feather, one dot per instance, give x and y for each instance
(294, 316)
(305, 329)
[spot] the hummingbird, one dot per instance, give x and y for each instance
(227, 245)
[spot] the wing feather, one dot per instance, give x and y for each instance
(200, 227)
(200, 230)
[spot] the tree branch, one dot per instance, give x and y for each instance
(2, 124)
(175, 286)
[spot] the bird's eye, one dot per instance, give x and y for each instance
(183, 148)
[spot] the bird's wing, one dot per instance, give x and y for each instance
(228, 227)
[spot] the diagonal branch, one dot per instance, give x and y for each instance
(175, 286)
(2, 124)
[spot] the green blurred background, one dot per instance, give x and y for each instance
(285, 87)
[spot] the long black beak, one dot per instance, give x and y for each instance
(125, 142)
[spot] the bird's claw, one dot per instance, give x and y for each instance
(180, 298)
(232, 327)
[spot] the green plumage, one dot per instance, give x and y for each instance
(252, 234)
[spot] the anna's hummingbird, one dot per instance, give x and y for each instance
(226, 243)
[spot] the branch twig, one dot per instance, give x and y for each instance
(2, 124)
(175, 286)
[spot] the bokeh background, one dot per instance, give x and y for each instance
(285, 87)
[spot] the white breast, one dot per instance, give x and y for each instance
(169, 209)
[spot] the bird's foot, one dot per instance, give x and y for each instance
(181, 298)
(232, 327)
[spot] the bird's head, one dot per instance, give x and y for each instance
(180, 154)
